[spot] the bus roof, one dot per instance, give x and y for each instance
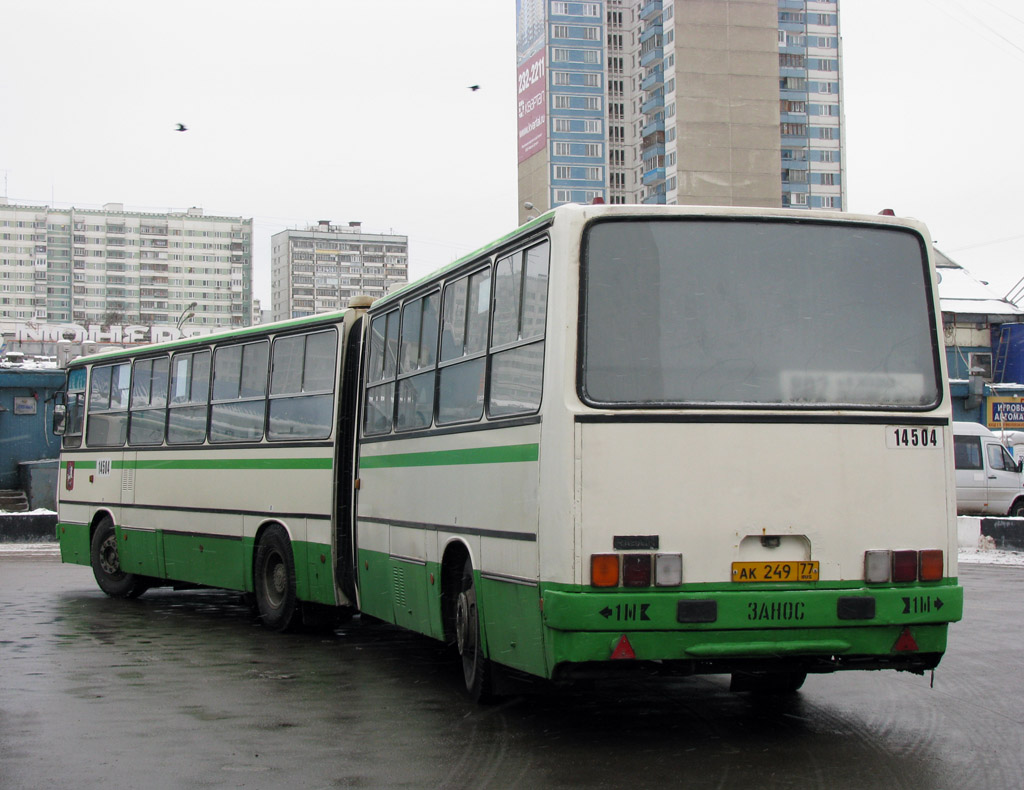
(198, 340)
(594, 211)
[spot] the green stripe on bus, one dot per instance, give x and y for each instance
(508, 454)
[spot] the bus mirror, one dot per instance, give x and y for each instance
(1020, 466)
(60, 413)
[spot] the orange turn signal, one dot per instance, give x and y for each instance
(931, 565)
(604, 570)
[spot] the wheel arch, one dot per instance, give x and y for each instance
(97, 517)
(261, 530)
(453, 559)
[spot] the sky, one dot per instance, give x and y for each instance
(352, 110)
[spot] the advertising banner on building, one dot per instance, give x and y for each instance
(531, 90)
(1003, 412)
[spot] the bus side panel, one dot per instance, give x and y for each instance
(74, 542)
(211, 560)
(513, 624)
(140, 551)
(319, 578)
(374, 581)
(409, 594)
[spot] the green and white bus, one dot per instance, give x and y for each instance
(690, 440)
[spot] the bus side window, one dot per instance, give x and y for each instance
(418, 357)
(239, 407)
(460, 387)
(148, 408)
(380, 373)
(107, 425)
(190, 393)
(517, 337)
(302, 385)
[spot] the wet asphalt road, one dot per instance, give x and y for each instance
(184, 689)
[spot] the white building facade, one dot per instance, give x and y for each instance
(319, 269)
(115, 267)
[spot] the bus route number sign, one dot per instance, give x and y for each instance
(799, 571)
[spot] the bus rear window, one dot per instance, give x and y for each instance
(698, 312)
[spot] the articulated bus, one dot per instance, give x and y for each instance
(683, 440)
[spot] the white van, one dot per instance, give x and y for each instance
(988, 479)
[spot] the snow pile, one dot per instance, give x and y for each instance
(987, 556)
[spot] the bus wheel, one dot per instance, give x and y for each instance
(1017, 509)
(767, 682)
(106, 566)
(274, 579)
(476, 669)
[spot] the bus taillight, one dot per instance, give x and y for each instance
(904, 566)
(604, 570)
(931, 565)
(877, 566)
(668, 570)
(636, 570)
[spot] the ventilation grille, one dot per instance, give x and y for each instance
(398, 577)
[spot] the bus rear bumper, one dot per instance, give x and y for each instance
(577, 654)
(803, 630)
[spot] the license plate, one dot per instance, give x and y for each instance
(800, 571)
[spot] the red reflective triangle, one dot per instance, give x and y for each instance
(906, 642)
(623, 649)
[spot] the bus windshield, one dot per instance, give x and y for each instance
(707, 312)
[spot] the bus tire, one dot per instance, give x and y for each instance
(106, 565)
(274, 580)
(1017, 509)
(476, 668)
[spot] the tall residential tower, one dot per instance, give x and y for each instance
(720, 102)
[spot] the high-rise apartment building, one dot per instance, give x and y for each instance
(720, 102)
(810, 106)
(113, 266)
(321, 268)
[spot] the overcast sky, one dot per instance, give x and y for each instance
(355, 110)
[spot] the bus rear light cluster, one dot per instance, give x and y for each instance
(903, 566)
(636, 570)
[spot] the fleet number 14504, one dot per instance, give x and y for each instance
(898, 437)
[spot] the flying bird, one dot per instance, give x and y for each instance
(474, 87)
(181, 128)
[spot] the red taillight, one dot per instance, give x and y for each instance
(636, 570)
(604, 570)
(931, 565)
(904, 566)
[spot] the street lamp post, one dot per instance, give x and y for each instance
(186, 314)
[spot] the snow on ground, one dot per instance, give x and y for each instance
(990, 557)
(29, 550)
